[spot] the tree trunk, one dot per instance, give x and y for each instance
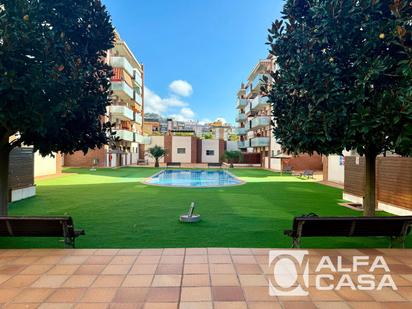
(369, 200)
(4, 180)
(157, 162)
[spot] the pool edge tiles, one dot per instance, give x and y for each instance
(233, 180)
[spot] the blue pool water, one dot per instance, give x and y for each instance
(193, 178)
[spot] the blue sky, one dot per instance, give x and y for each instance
(196, 53)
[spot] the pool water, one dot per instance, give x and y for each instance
(193, 178)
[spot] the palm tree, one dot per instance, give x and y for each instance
(157, 152)
(232, 156)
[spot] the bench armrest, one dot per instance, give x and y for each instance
(288, 233)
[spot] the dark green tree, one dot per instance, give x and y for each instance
(54, 82)
(157, 152)
(344, 79)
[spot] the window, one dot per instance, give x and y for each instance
(181, 150)
(210, 152)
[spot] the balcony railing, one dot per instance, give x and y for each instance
(125, 135)
(260, 103)
(243, 144)
(138, 98)
(241, 131)
(138, 78)
(242, 103)
(138, 118)
(122, 90)
(141, 139)
(260, 122)
(241, 118)
(121, 112)
(258, 81)
(121, 62)
(260, 142)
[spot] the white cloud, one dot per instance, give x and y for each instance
(181, 88)
(155, 104)
(185, 114)
(221, 119)
(204, 121)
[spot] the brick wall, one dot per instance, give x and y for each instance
(194, 149)
(78, 159)
(168, 147)
(304, 162)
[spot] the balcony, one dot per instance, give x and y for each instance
(250, 134)
(258, 82)
(243, 144)
(125, 135)
(138, 118)
(241, 103)
(141, 139)
(138, 98)
(120, 112)
(122, 90)
(259, 103)
(260, 122)
(241, 131)
(138, 78)
(123, 63)
(241, 118)
(260, 142)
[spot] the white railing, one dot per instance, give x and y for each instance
(260, 142)
(260, 121)
(121, 111)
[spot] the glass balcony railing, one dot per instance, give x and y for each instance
(120, 112)
(260, 122)
(241, 103)
(241, 131)
(122, 90)
(141, 139)
(260, 142)
(241, 118)
(125, 135)
(243, 144)
(138, 118)
(258, 81)
(121, 62)
(260, 103)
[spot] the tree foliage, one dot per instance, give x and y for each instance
(157, 152)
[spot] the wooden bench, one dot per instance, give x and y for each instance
(396, 228)
(173, 164)
(307, 173)
(214, 165)
(40, 227)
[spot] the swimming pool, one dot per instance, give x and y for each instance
(193, 179)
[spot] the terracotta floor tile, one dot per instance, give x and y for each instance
(405, 292)
(261, 251)
(257, 294)
(126, 306)
(220, 259)
(264, 305)
(397, 305)
(220, 251)
(244, 259)
(169, 269)
(99, 295)
(262, 259)
(73, 260)
(174, 251)
(146, 252)
(317, 295)
(36, 269)
(230, 305)
(8, 294)
(240, 251)
(222, 269)
(248, 269)
(224, 280)
(148, 259)
(57, 306)
(63, 270)
(366, 305)
(49, 260)
(20, 281)
(106, 252)
(298, 305)
(354, 295)
(143, 269)
(227, 293)
(99, 259)
(196, 305)
(334, 305)
(133, 281)
(386, 294)
(134, 252)
(116, 269)
(253, 280)
(130, 295)
(196, 280)
(4, 278)
(195, 294)
(11, 269)
(196, 251)
(83, 252)
(25, 260)
(171, 259)
(196, 269)
(166, 280)
(20, 306)
(89, 269)
(32, 295)
(161, 306)
(163, 295)
(123, 259)
(79, 281)
(196, 259)
(66, 295)
(108, 281)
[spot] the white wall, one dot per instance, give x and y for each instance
(182, 142)
(210, 144)
(336, 168)
(44, 166)
(155, 141)
(276, 164)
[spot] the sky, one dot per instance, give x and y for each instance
(195, 53)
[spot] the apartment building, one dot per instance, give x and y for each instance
(220, 130)
(126, 113)
(255, 128)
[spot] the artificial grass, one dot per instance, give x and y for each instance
(118, 211)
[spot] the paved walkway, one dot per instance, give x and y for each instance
(179, 278)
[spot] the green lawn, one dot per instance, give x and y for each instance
(117, 210)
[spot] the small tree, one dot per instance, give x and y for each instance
(344, 80)
(54, 84)
(157, 152)
(208, 135)
(232, 156)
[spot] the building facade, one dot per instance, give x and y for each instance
(126, 113)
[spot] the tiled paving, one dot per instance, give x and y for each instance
(198, 278)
